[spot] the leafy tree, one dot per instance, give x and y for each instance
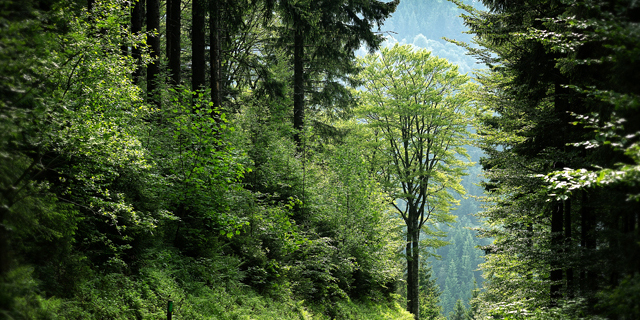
(418, 108)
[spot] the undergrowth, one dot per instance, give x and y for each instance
(199, 288)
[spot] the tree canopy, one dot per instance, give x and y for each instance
(417, 109)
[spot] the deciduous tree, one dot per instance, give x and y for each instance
(419, 109)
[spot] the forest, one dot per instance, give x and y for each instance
(327, 159)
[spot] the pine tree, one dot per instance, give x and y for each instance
(459, 311)
(430, 308)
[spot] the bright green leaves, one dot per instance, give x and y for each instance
(418, 109)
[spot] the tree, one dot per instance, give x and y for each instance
(418, 109)
(459, 311)
(324, 37)
(560, 71)
(174, 15)
(429, 295)
(153, 34)
(198, 66)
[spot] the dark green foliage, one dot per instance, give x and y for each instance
(553, 138)
(429, 295)
(459, 312)
(112, 205)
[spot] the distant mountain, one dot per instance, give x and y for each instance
(424, 23)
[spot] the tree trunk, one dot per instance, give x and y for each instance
(410, 279)
(556, 243)
(413, 267)
(568, 241)
(4, 242)
(136, 28)
(298, 83)
(173, 40)
(197, 45)
(153, 69)
(588, 243)
(214, 56)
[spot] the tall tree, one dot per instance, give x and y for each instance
(215, 52)
(153, 68)
(551, 60)
(419, 108)
(137, 14)
(198, 34)
(174, 49)
(324, 37)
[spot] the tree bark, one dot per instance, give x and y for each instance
(588, 243)
(198, 45)
(568, 241)
(413, 261)
(173, 40)
(136, 28)
(556, 243)
(4, 242)
(214, 55)
(153, 69)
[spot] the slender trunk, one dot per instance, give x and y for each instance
(173, 40)
(153, 69)
(4, 242)
(557, 210)
(136, 28)
(556, 243)
(298, 83)
(214, 56)
(568, 242)
(410, 279)
(588, 243)
(415, 261)
(168, 31)
(198, 45)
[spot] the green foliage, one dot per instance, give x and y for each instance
(560, 140)
(459, 311)
(111, 207)
(416, 109)
(429, 295)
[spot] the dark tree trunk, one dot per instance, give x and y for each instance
(4, 242)
(410, 279)
(153, 69)
(556, 243)
(298, 84)
(414, 285)
(413, 260)
(173, 40)
(214, 56)
(198, 45)
(136, 28)
(588, 243)
(568, 242)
